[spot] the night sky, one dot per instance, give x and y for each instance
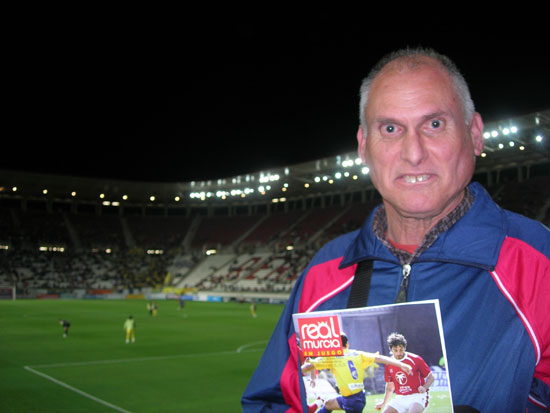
(215, 97)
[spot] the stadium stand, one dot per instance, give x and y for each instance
(59, 244)
(256, 253)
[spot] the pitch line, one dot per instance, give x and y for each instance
(127, 360)
(151, 358)
(82, 393)
(244, 347)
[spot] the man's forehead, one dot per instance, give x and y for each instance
(398, 72)
(407, 88)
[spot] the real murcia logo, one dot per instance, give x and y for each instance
(320, 336)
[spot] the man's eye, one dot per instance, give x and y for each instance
(389, 129)
(435, 124)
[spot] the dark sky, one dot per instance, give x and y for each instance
(216, 97)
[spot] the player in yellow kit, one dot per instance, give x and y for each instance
(349, 372)
(130, 327)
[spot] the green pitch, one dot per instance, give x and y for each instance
(194, 360)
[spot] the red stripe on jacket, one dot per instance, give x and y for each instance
(523, 275)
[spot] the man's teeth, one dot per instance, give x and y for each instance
(412, 179)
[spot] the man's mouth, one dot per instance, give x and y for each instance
(412, 179)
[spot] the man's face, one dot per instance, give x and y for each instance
(420, 152)
(398, 352)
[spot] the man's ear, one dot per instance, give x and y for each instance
(361, 143)
(476, 133)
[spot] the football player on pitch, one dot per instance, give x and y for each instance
(412, 391)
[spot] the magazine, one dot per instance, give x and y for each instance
(345, 357)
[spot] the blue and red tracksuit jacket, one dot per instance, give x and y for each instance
(491, 274)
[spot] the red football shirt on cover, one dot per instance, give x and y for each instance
(405, 383)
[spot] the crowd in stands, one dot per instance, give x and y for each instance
(263, 253)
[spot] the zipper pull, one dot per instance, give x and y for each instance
(402, 294)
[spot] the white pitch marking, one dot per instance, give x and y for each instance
(90, 363)
(152, 358)
(241, 348)
(89, 396)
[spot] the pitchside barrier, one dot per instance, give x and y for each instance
(167, 294)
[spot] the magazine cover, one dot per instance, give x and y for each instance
(385, 358)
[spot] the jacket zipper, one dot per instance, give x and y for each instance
(402, 294)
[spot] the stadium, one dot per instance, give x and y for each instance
(95, 250)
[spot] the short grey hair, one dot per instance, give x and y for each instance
(411, 55)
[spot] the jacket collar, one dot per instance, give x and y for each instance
(474, 240)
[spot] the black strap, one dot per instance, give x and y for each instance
(464, 409)
(361, 285)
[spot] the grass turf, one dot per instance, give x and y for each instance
(196, 359)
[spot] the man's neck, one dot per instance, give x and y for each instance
(380, 228)
(407, 230)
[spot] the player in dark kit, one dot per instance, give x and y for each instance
(66, 326)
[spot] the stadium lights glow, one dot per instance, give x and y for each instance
(522, 148)
(73, 193)
(358, 161)
(289, 247)
(155, 252)
(500, 146)
(211, 252)
(177, 199)
(494, 134)
(152, 198)
(306, 185)
(14, 189)
(44, 191)
(338, 175)
(102, 196)
(538, 138)
(4, 247)
(511, 144)
(269, 178)
(365, 170)
(51, 249)
(125, 197)
(483, 154)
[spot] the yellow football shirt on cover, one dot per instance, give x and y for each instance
(348, 370)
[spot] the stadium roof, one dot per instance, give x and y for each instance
(522, 141)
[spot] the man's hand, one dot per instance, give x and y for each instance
(406, 368)
(378, 406)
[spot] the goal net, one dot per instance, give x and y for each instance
(7, 292)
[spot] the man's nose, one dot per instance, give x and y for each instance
(413, 147)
